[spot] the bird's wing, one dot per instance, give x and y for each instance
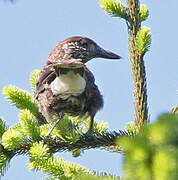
(45, 77)
(89, 76)
(49, 73)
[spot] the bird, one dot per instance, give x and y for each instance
(65, 85)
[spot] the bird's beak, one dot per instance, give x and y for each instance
(102, 53)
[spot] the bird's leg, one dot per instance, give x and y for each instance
(90, 131)
(91, 124)
(60, 116)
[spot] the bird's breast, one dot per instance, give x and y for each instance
(69, 84)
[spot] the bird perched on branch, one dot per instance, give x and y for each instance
(65, 85)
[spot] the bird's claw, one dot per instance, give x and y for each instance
(53, 137)
(90, 134)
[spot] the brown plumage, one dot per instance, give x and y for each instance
(66, 85)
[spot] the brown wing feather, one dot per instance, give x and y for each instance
(88, 75)
(90, 101)
(92, 95)
(46, 76)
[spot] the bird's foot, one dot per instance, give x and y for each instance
(90, 134)
(52, 138)
(52, 128)
(47, 134)
(50, 131)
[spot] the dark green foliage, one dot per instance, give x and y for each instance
(4, 160)
(3, 127)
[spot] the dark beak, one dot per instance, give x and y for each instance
(107, 54)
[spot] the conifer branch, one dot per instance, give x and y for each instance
(33, 79)
(104, 140)
(20, 138)
(139, 42)
(19, 144)
(15, 142)
(42, 159)
(115, 8)
(150, 151)
(29, 124)
(23, 100)
(143, 12)
(137, 52)
(3, 127)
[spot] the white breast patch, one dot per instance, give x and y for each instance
(68, 84)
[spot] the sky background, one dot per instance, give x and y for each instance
(30, 29)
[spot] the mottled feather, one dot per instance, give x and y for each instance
(66, 85)
(86, 103)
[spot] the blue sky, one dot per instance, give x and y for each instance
(30, 29)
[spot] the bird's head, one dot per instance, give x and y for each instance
(78, 48)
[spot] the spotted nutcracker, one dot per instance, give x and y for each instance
(65, 85)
